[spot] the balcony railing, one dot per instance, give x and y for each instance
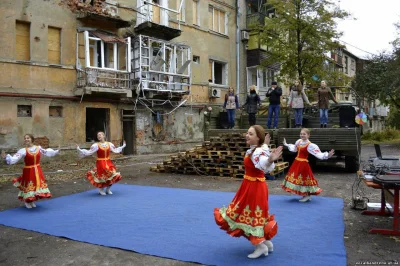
(255, 19)
(91, 77)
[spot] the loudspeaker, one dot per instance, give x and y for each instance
(347, 116)
(223, 120)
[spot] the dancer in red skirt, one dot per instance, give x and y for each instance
(300, 179)
(105, 174)
(31, 183)
(248, 213)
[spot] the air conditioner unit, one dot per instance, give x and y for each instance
(215, 93)
(245, 35)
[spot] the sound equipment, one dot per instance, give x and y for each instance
(347, 116)
(223, 120)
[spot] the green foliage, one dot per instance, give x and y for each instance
(383, 136)
(380, 77)
(300, 36)
(394, 117)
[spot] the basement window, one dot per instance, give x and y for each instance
(55, 111)
(24, 111)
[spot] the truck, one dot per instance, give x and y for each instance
(343, 133)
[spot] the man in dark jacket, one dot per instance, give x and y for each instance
(274, 94)
(253, 101)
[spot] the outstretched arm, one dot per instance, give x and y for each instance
(84, 152)
(314, 150)
(264, 159)
(49, 152)
(291, 147)
(15, 158)
(117, 150)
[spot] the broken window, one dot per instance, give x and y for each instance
(218, 72)
(196, 59)
(22, 40)
(107, 51)
(55, 111)
(24, 111)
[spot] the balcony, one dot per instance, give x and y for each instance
(158, 21)
(255, 20)
(103, 83)
(100, 18)
(158, 31)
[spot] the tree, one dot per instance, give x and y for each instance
(380, 79)
(300, 36)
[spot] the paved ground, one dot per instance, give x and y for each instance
(20, 247)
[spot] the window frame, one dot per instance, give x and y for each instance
(225, 72)
(219, 17)
(196, 16)
(87, 39)
(60, 46)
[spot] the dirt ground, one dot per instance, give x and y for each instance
(21, 247)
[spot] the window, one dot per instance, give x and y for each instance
(54, 45)
(218, 72)
(353, 65)
(346, 65)
(24, 111)
(196, 59)
(55, 111)
(181, 15)
(217, 20)
(196, 14)
(111, 55)
(22, 41)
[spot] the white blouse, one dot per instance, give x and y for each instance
(260, 158)
(312, 148)
(95, 148)
(22, 153)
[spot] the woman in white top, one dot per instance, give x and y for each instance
(31, 184)
(105, 173)
(300, 180)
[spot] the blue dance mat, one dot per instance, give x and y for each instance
(179, 224)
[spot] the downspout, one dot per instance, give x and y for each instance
(237, 47)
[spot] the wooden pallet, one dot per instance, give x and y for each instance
(281, 166)
(238, 176)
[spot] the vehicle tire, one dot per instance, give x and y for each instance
(351, 164)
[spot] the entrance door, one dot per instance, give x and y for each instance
(128, 124)
(97, 119)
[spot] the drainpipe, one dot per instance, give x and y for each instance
(237, 47)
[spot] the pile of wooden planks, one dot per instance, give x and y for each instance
(220, 156)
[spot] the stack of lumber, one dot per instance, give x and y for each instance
(220, 156)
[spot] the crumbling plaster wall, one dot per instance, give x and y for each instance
(180, 130)
(36, 75)
(66, 130)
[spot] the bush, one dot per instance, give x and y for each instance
(386, 135)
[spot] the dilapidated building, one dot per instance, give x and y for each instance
(142, 71)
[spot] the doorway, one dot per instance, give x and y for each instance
(97, 119)
(128, 126)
